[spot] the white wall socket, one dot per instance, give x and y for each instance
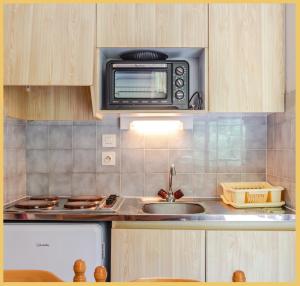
(109, 140)
(109, 158)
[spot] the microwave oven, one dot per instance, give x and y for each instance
(147, 84)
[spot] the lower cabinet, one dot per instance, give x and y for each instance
(138, 253)
(212, 255)
(264, 256)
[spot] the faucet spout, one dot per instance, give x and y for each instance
(172, 173)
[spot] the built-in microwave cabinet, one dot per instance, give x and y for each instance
(49, 44)
(246, 57)
(152, 25)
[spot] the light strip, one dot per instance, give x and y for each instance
(156, 126)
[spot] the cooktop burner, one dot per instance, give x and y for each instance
(45, 198)
(80, 205)
(61, 205)
(85, 199)
(34, 204)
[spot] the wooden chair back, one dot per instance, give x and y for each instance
(100, 275)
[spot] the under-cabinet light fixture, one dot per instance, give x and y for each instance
(156, 124)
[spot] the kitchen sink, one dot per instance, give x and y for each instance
(173, 208)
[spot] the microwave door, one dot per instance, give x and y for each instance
(141, 86)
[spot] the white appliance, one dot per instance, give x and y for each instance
(54, 247)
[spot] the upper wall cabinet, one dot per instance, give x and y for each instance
(246, 57)
(49, 44)
(152, 25)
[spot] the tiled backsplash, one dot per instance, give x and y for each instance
(281, 149)
(14, 159)
(64, 158)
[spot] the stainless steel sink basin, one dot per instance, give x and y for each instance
(173, 208)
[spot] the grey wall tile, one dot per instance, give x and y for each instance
(16, 136)
(131, 139)
(84, 136)
(14, 159)
(37, 137)
(37, 184)
(37, 161)
(60, 122)
(84, 160)
(185, 183)
(229, 136)
(205, 161)
(85, 122)
(219, 146)
(20, 186)
(132, 161)
(255, 132)
(60, 161)
(60, 184)
(205, 185)
(283, 134)
(200, 134)
(254, 161)
(152, 141)
(182, 159)
(132, 184)
(107, 184)
(60, 137)
(270, 131)
(84, 184)
(252, 177)
(155, 182)
(110, 120)
(156, 161)
(181, 140)
(230, 166)
(293, 134)
(10, 163)
(20, 161)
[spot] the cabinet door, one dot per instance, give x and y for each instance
(49, 44)
(246, 57)
(138, 253)
(264, 256)
(152, 25)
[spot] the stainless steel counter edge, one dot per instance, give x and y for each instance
(206, 225)
(217, 216)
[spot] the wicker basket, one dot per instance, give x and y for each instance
(251, 192)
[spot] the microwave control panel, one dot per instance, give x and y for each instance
(180, 83)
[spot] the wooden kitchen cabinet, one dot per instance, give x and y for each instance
(246, 57)
(49, 44)
(152, 25)
(137, 253)
(264, 256)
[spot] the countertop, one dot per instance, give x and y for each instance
(217, 215)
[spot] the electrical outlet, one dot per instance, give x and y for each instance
(108, 158)
(109, 140)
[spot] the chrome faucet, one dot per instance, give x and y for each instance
(170, 197)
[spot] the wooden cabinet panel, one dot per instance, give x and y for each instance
(138, 253)
(152, 25)
(48, 103)
(264, 256)
(246, 57)
(49, 44)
